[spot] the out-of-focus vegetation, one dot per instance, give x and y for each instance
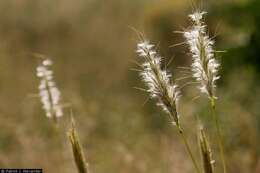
(93, 47)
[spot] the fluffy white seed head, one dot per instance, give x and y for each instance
(48, 92)
(204, 65)
(158, 81)
(197, 16)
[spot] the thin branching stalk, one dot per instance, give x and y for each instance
(185, 141)
(208, 162)
(78, 154)
(219, 135)
(162, 88)
(58, 136)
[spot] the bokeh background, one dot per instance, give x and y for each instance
(92, 44)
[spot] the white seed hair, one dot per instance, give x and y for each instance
(158, 80)
(48, 92)
(204, 65)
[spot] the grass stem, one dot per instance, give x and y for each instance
(185, 141)
(219, 135)
(78, 154)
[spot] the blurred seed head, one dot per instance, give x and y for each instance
(49, 93)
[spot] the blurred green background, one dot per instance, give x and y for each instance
(92, 44)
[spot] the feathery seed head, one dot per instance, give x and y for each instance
(204, 65)
(48, 92)
(197, 16)
(158, 81)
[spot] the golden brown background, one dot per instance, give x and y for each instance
(92, 44)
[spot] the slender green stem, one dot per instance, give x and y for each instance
(58, 137)
(181, 133)
(219, 135)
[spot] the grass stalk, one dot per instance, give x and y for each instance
(161, 87)
(78, 154)
(185, 141)
(57, 134)
(219, 135)
(205, 152)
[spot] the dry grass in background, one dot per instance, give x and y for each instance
(92, 47)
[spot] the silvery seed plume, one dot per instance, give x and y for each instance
(204, 65)
(158, 81)
(49, 93)
(208, 162)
